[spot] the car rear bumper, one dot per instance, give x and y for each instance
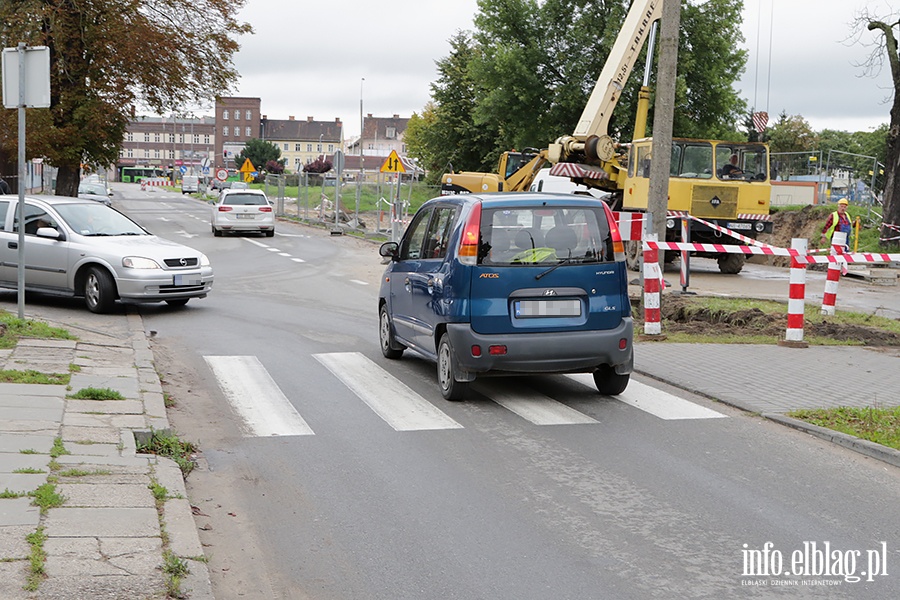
(561, 352)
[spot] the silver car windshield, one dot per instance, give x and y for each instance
(97, 219)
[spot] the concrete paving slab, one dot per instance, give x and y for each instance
(183, 537)
(22, 483)
(102, 435)
(12, 580)
(127, 386)
(101, 522)
(13, 545)
(33, 389)
(21, 413)
(18, 512)
(46, 343)
(138, 464)
(110, 407)
(103, 556)
(114, 421)
(13, 461)
(13, 401)
(107, 495)
(103, 587)
(16, 442)
(43, 428)
(94, 449)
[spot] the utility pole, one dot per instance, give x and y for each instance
(663, 116)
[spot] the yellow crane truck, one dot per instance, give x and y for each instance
(725, 183)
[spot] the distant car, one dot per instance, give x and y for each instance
(243, 210)
(190, 184)
(218, 184)
(82, 248)
(240, 185)
(506, 284)
(95, 191)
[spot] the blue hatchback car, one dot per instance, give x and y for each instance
(506, 284)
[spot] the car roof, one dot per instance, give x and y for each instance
(232, 191)
(48, 199)
(498, 199)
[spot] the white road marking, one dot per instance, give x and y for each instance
(256, 397)
(359, 282)
(252, 241)
(390, 398)
(299, 260)
(656, 402)
(530, 405)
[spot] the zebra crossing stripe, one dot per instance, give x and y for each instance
(390, 398)
(530, 405)
(656, 402)
(255, 396)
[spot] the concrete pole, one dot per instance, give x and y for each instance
(663, 115)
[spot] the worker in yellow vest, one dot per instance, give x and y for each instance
(839, 220)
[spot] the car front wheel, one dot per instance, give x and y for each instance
(390, 348)
(99, 290)
(451, 389)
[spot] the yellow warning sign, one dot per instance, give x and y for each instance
(393, 164)
(247, 167)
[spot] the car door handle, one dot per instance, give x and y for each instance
(407, 285)
(12, 245)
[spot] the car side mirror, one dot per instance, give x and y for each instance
(389, 250)
(48, 232)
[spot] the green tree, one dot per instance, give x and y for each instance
(791, 134)
(259, 153)
(109, 58)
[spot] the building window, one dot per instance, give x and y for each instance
(225, 131)
(296, 147)
(309, 147)
(331, 147)
(180, 138)
(146, 137)
(129, 137)
(146, 153)
(247, 132)
(156, 154)
(171, 138)
(130, 153)
(224, 115)
(156, 137)
(248, 114)
(206, 139)
(196, 139)
(285, 146)
(390, 132)
(318, 147)
(237, 115)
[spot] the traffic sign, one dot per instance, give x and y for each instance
(221, 174)
(247, 167)
(393, 164)
(183, 169)
(338, 163)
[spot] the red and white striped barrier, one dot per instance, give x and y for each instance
(793, 336)
(893, 227)
(154, 182)
(838, 240)
(631, 225)
(652, 285)
(860, 257)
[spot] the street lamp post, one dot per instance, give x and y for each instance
(362, 172)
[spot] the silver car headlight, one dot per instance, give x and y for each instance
(204, 260)
(138, 262)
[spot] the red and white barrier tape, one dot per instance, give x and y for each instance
(870, 257)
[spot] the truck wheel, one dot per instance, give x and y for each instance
(633, 255)
(450, 388)
(731, 264)
(610, 383)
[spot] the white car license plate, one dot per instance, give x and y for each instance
(246, 216)
(547, 308)
(187, 280)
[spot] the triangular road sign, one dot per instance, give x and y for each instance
(247, 167)
(393, 164)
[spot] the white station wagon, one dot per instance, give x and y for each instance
(82, 248)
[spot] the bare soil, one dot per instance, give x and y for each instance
(683, 315)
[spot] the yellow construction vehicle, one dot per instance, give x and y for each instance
(703, 181)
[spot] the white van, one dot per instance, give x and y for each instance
(545, 182)
(190, 184)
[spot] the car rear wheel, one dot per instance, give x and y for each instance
(270, 233)
(610, 383)
(99, 290)
(390, 348)
(217, 232)
(451, 389)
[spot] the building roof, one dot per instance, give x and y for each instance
(307, 131)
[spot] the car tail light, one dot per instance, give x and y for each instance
(623, 343)
(618, 246)
(468, 247)
(265, 209)
(476, 350)
(497, 350)
(224, 209)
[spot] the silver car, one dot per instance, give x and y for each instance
(97, 191)
(240, 210)
(82, 248)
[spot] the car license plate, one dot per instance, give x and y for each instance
(525, 309)
(246, 216)
(187, 280)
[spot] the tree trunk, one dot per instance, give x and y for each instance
(67, 180)
(892, 168)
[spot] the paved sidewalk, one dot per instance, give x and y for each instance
(107, 541)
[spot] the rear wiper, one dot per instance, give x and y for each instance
(567, 260)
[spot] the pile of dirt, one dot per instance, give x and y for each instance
(789, 224)
(682, 315)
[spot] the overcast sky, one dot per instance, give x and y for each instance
(304, 61)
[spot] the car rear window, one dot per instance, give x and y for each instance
(542, 234)
(245, 200)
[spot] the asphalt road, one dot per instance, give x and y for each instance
(533, 488)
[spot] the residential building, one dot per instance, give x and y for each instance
(237, 120)
(164, 142)
(301, 142)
